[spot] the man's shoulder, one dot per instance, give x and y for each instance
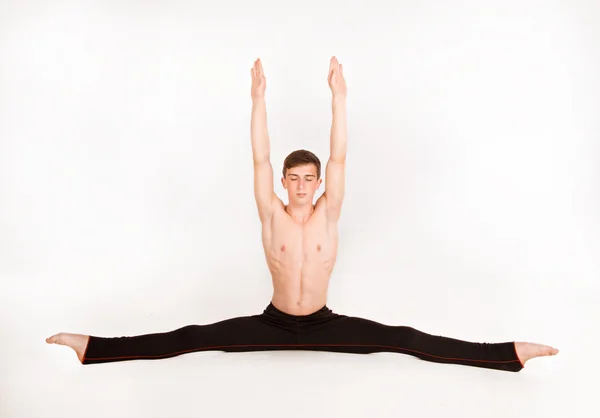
(277, 202)
(332, 214)
(277, 208)
(321, 201)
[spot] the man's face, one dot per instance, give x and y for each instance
(301, 183)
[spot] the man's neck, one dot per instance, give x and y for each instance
(300, 214)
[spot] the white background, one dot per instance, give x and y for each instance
(472, 200)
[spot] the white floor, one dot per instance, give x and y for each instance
(471, 211)
(42, 380)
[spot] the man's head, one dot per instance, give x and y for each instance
(301, 176)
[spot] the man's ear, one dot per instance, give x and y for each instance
(283, 182)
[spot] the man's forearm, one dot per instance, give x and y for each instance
(259, 133)
(339, 132)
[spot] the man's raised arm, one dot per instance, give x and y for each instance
(336, 166)
(261, 150)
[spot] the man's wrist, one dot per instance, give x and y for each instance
(338, 101)
(338, 98)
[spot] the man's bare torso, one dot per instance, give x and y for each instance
(301, 258)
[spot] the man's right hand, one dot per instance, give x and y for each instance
(259, 82)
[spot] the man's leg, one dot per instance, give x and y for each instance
(341, 333)
(245, 333)
(321, 331)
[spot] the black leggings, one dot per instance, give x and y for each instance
(320, 331)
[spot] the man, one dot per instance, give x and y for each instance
(300, 242)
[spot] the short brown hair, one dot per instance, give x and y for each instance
(301, 157)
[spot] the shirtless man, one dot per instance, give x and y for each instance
(300, 242)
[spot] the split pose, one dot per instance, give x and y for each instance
(300, 242)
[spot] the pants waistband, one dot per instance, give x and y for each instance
(324, 311)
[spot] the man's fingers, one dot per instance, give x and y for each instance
(258, 71)
(335, 69)
(331, 68)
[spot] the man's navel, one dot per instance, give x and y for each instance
(318, 248)
(283, 248)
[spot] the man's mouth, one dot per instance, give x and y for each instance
(301, 194)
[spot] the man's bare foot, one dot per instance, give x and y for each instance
(77, 342)
(527, 351)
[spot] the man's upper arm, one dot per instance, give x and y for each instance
(264, 193)
(335, 179)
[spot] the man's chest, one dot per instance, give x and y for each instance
(312, 239)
